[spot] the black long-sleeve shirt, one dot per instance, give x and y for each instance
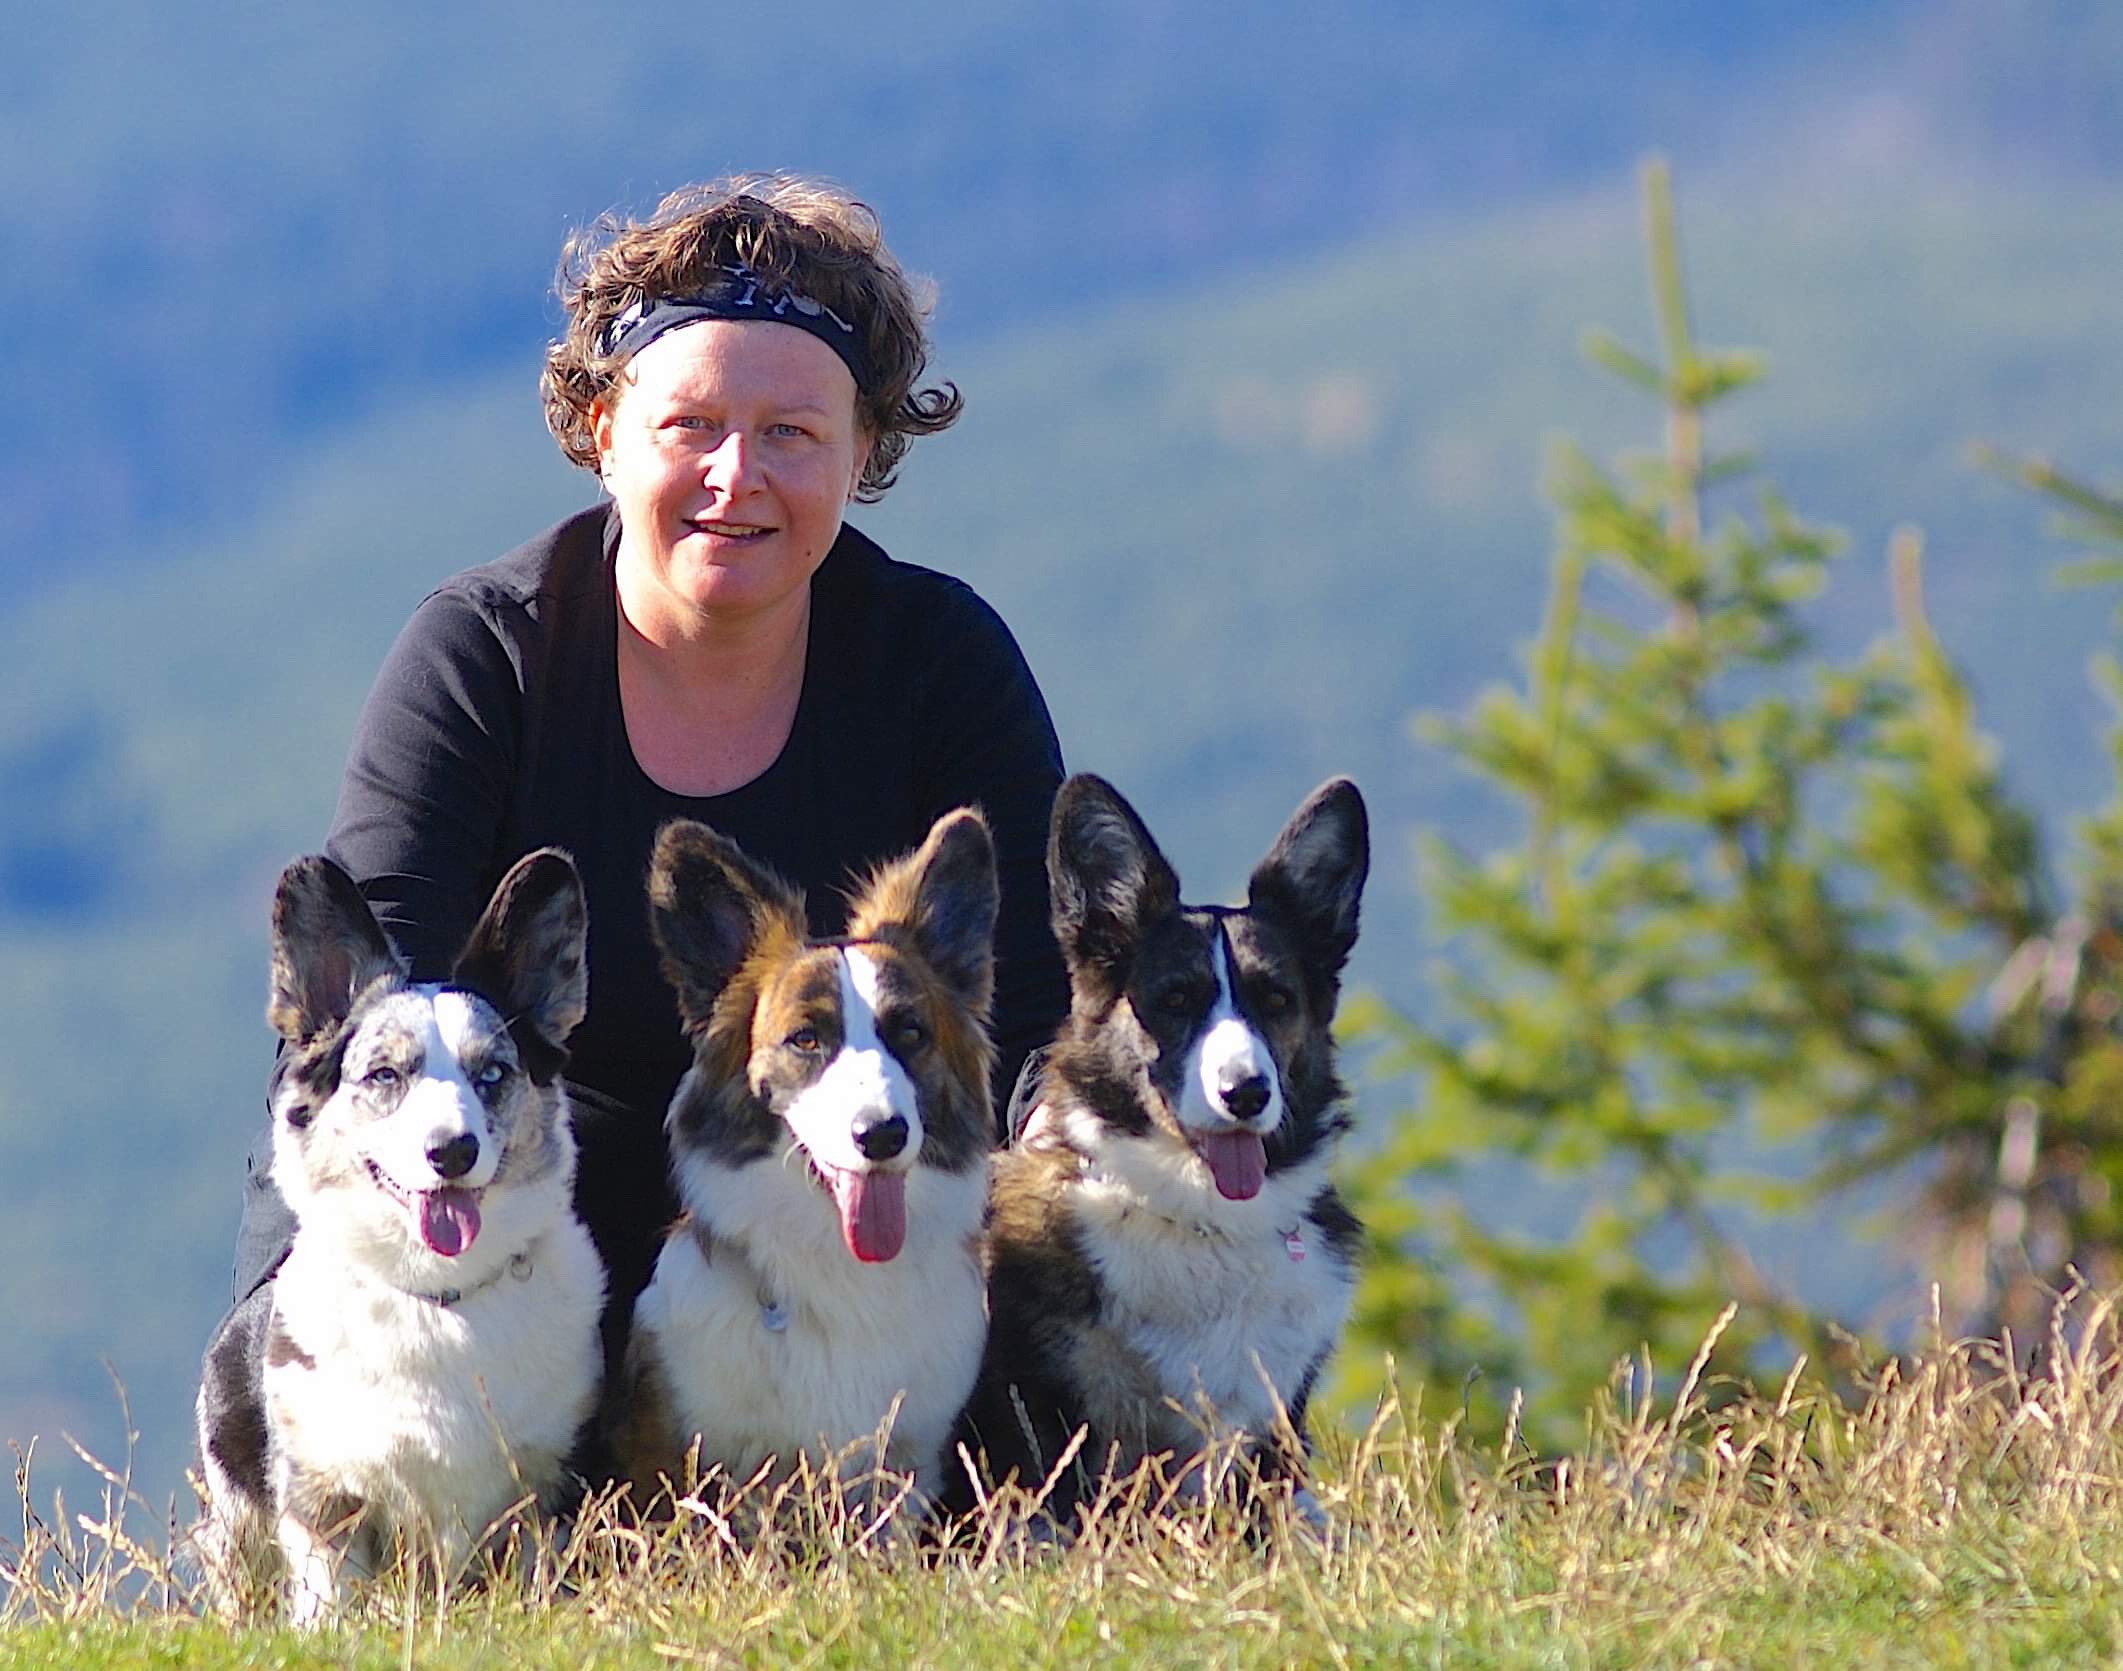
(495, 727)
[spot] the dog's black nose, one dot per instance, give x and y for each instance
(881, 1139)
(1246, 1098)
(454, 1158)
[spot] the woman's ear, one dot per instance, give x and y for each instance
(601, 411)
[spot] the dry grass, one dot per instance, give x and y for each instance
(1958, 1509)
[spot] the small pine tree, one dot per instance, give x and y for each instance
(1772, 928)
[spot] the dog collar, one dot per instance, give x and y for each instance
(519, 1267)
(773, 1313)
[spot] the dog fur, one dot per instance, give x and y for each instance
(814, 1291)
(427, 1355)
(1170, 1263)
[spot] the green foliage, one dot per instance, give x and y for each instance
(1773, 927)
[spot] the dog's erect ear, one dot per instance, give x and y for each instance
(1109, 880)
(709, 904)
(1313, 877)
(528, 956)
(945, 893)
(327, 948)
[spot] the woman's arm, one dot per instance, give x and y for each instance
(426, 788)
(989, 741)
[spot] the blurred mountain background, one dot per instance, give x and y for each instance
(1264, 316)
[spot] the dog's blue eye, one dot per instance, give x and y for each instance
(381, 1078)
(492, 1074)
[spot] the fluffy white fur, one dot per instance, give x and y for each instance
(857, 1339)
(401, 1402)
(1205, 1289)
(408, 1402)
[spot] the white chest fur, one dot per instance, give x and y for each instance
(1223, 1309)
(442, 1416)
(779, 1342)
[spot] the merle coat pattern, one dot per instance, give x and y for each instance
(427, 1355)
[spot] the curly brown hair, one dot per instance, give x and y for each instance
(797, 234)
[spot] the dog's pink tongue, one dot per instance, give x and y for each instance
(1238, 1163)
(873, 1213)
(449, 1220)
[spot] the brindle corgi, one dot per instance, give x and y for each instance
(1170, 1260)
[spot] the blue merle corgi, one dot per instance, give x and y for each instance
(1169, 1260)
(427, 1356)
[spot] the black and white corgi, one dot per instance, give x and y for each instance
(1169, 1260)
(830, 1149)
(427, 1355)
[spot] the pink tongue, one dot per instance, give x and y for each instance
(873, 1212)
(1237, 1162)
(449, 1219)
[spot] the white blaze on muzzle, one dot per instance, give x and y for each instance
(1229, 1055)
(863, 1084)
(439, 1106)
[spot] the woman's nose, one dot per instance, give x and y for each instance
(729, 465)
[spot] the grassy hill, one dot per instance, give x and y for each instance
(1242, 532)
(1946, 1515)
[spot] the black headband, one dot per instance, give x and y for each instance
(740, 295)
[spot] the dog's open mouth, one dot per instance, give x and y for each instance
(1237, 1160)
(448, 1217)
(873, 1209)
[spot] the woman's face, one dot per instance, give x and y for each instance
(730, 447)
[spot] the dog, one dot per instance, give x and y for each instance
(427, 1355)
(830, 1149)
(1170, 1264)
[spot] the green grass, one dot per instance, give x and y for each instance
(1954, 1511)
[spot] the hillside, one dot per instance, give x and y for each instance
(1242, 533)
(292, 220)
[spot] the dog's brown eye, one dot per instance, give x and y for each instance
(804, 1039)
(909, 1035)
(1278, 999)
(1175, 1000)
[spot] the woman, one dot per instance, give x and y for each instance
(710, 642)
